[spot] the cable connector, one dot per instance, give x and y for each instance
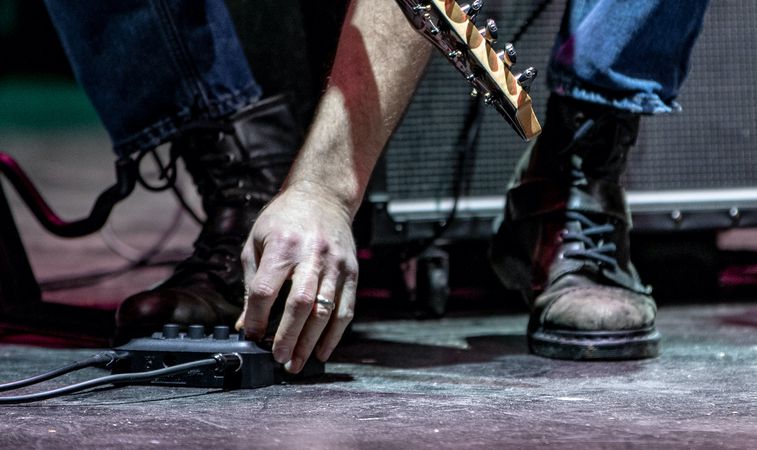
(228, 362)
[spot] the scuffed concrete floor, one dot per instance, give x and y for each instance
(452, 383)
(466, 381)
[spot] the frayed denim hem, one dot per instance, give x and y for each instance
(167, 128)
(640, 103)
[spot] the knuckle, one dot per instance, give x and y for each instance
(350, 269)
(321, 246)
(247, 258)
(247, 252)
(321, 313)
(287, 240)
(351, 273)
(262, 290)
(302, 301)
(345, 315)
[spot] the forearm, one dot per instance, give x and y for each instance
(378, 63)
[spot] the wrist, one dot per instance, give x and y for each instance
(346, 200)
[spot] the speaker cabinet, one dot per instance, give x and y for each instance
(694, 170)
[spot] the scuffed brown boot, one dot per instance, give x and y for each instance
(564, 242)
(238, 166)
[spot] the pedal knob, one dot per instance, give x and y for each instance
(220, 332)
(196, 332)
(170, 331)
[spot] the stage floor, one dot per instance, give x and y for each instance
(454, 383)
(461, 382)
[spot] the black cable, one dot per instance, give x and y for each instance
(526, 24)
(98, 360)
(466, 146)
(168, 173)
(172, 185)
(184, 204)
(221, 361)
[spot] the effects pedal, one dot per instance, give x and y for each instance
(171, 347)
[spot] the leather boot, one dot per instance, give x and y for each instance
(238, 165)
(564, 242)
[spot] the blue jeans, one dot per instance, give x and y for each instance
(629, 54)
(151, 66)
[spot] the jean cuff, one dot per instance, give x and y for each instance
(167, 128)
(640, 103)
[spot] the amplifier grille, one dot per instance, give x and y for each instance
(709, 145)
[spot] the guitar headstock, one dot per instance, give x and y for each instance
(452, 29)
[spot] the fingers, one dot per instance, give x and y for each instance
(318, 255)
(299, 305)
(318, 318)
(311, 318)
(340, 318)
(262, 290)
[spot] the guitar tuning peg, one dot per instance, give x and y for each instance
(489, 32)
(510, 52)
(475, 7)
(526, 78)
(507, 55)
(465, 7)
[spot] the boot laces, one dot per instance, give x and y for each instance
(232, 179)
(591, 235)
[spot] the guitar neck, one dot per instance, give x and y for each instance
(449, 28)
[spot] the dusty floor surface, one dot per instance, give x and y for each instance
(465, 381)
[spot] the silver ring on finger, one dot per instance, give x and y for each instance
(326, 303)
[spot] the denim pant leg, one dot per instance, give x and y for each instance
(151, 66)
(630, 54)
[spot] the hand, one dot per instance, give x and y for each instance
(304, 236)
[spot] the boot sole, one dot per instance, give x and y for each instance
(595, 345)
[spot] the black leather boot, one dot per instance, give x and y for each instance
(238, 165)
(564, 242)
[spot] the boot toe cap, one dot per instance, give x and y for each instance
(599, 308)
